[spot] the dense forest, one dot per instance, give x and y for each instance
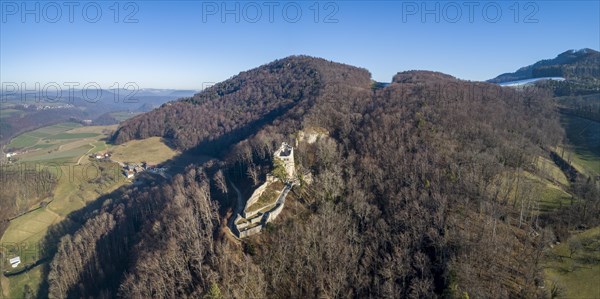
(232, 110)
(408, 197)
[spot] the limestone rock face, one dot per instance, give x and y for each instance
(311, 135)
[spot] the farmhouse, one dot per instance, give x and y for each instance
(130, 170)
(129, 174)
(100, 156)
(14, 262)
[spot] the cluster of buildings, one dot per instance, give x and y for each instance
(47, 107)
(37, 106)
(130, 170)
(11, 157)
(100, 156)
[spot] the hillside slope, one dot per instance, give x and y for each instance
(232, 110)
(573, 65)
(407, 198)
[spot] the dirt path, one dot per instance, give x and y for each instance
(58, 216)
(5, 287)
(86, 153)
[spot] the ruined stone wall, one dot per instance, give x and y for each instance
(274, 213)
(250, 214)
(242, 225)
(256, 219)
(286, 154)
(256, 195)
(250, 232)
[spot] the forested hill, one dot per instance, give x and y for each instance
(231, 110)
(580, 65)
(408, 199)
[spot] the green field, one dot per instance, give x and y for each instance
(43, 135)
(23, 141)
(577, 275)
(121, 116)
(152, 150)
(47, 145)
(546, 186)
(82, 180)
(74, 136)
(59, 156)
(583, 136)
(77, 186)
(8, 112)
(573, 267)
(18, 284)
(548, 169)
(99, 146)
(549, 195)
(59, 143)
(550, 184)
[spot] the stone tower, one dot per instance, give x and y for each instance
(285, 153)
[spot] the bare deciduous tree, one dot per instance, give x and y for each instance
(253, 173)
(220, 181)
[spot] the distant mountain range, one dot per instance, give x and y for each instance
(166, 92)
(34, 111)
(573, 65)
(104, 100)
(104, 94)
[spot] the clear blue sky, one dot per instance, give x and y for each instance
(181, 44)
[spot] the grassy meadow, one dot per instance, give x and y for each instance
(583, 149)
(152, 150)
(65, 149)
(573, 267)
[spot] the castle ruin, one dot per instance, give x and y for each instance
(255, 217)
(285, 153)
